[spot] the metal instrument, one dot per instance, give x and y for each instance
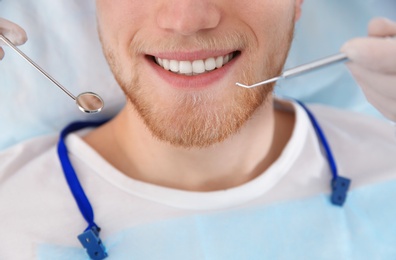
(299, 70)
(302, 69)
(87, 102)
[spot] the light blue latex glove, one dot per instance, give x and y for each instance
(324, 27)
(374, 65)
(13, 32)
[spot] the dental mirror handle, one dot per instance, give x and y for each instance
(87, 102)
(31, 62)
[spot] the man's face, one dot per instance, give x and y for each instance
(178, 61)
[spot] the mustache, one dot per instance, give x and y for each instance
(230, 40)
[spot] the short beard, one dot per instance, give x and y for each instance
(199, 119)
(196, 119)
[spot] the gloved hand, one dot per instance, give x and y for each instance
(13, 32)
(373, 65)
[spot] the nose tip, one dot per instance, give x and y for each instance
(187, 17)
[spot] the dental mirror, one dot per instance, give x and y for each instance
(87, 102)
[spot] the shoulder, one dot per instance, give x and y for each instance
(363, 146)
(17, 157)
(353, 125)
(33, 194)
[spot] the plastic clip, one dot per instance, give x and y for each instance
(92, 243)
(340, 186)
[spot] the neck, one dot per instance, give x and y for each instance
(127, 144)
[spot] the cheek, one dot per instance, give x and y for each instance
(117, 25)
(119, 20)
(104, 15)
(268, 21)
(274, 35)
(264, 13)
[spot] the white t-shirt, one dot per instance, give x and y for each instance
(285, 213)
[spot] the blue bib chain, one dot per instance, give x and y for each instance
(90, 239)
(339, 185)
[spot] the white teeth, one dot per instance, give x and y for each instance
(226, 59)
(194, 67)
(174, 66)
(198, 66)
(210, 64)
(219, 62)
(185, 67)
(165, 64)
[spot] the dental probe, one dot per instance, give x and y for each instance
(302, 69)
(340, 57)
(87, 102)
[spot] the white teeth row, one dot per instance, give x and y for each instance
(195, 67)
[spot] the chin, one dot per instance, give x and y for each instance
(195, 119)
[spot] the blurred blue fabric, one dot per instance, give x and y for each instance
(302, 229)
(63, 40)
(324, 27)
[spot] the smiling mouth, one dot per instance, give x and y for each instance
(195, 67)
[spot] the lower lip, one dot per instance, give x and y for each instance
(198, 81)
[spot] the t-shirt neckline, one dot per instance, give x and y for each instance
(86, 156)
